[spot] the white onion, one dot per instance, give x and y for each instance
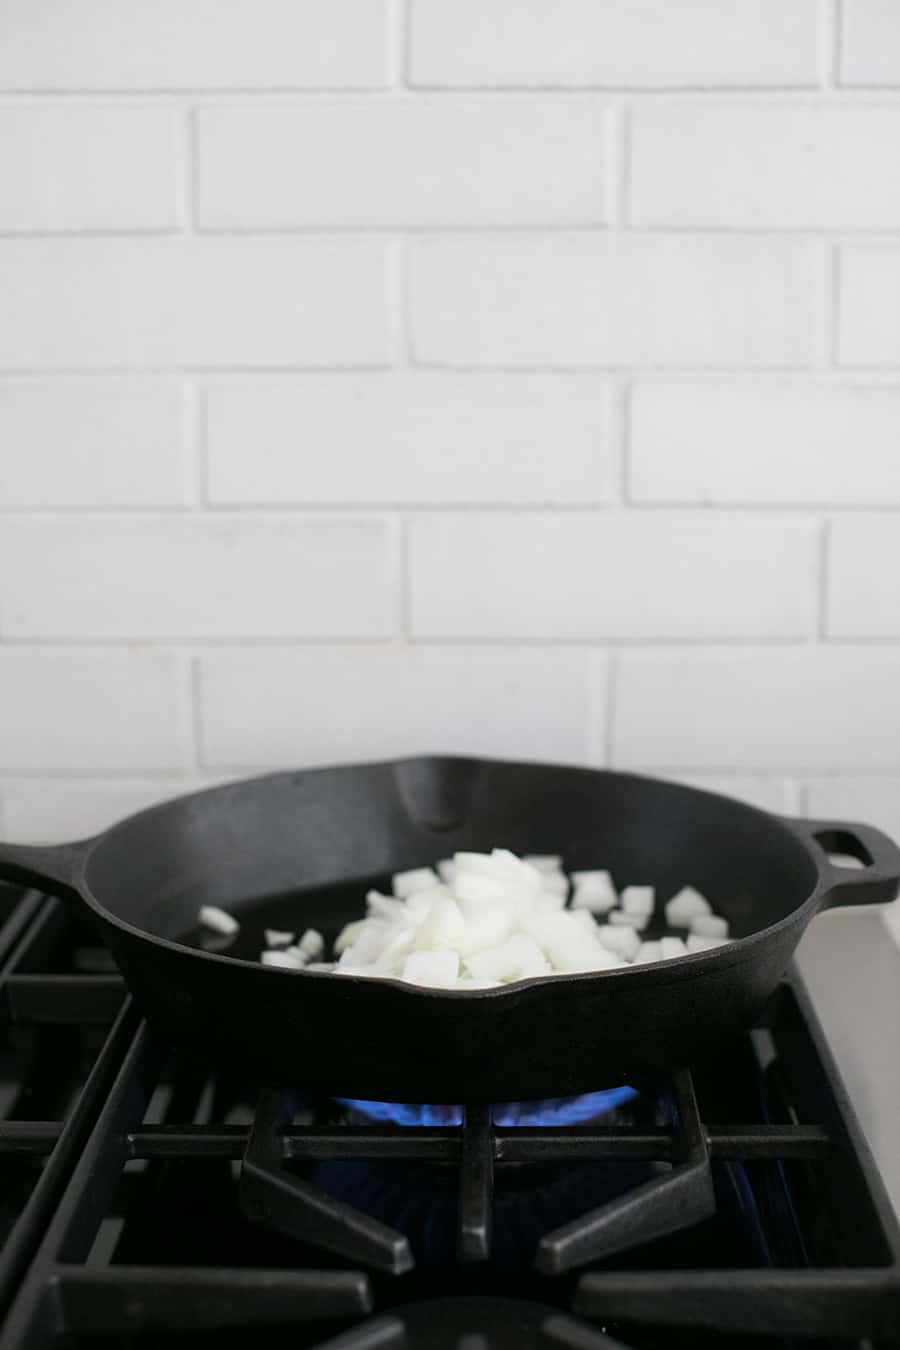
(619, 918)
(311, 944)
(417, 879)
(671, 947)
(685, 905)
(695, 943)
(638, 900)
(219, 920)
(594, 891)
(276, 937)
(487, 919)
(544, 862)
(624, 941)
(438, 969)
(709, 925)
(287, 960)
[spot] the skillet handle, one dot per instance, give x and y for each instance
(877, 879)
(58, 869)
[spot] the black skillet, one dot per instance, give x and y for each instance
(299, 849)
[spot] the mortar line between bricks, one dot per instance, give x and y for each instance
(655, 643)
(887, 374)
(829, 36)
(397, 38)
(254, 377)
(349, 512)
(886, 93)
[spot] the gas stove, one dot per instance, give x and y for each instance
(147, 1200)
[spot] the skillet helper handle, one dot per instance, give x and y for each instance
(57, 869)
(875, 881)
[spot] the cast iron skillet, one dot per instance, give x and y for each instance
(293, 836)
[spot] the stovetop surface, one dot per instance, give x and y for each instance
(145, 1200)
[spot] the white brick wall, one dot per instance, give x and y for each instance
(509, 376)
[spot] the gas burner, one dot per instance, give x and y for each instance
(555, 1111)
(151, 1204)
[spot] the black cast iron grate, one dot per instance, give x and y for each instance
(191, 1216)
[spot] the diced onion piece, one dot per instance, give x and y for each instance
(384, 906)
(321, 966)
(671, 947)
(468, 982)
(518, 958)
(696, 943)
(368, 945)
(416, 879)
(568, 943)
(368, 972)
(277, 937)
(685, 905)
(637, 900)
(348, 935)
(549, 903)
(312, 944)
(442, 926)
(648, 951)
(709, 925)
(594, 891)
(589, 956)
(418, 904)
(396, 949)
(446, 870)
(619, 918)
(287, 960)
(219, 920)
(623, 940)
(554, 883)
(544, 862)
(586, 919)
(438, 969)
(499, 865)
(487, 926)
(478, 889)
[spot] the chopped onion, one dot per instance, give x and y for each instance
(709, 925)
(621, 940)
(594, 891)
(544, 862)
(275, 937)
(695, 943)
(481, 920)
(285, 959)
(623, 920)
(638, 900)
(439, 969)
(311, 944)
(671, 947)
(219, 920)
(417, 879)
(685, 905)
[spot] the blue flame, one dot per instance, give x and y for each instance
(554, 1111)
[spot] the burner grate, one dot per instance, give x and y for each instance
(62, 1036)
(151, 1238)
